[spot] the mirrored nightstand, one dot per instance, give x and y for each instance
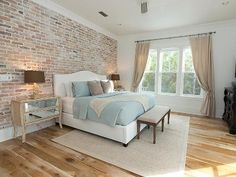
(25, 112)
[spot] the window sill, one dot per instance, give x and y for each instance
(175, 95)
(192, 96)
(200, 98)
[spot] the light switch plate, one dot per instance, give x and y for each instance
(5, 77)
(3, 66)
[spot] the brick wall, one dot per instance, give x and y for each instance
(33, 37)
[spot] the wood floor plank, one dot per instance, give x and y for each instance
(211, 152)
(89, 161)
(44, 165)
(19, 173)
(63, 164)
(17, 162)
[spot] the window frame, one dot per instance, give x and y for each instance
(179, 73)
(182, 78)
(159, 73)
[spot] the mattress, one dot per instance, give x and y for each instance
(117, 113)
(127, 115)
(67, 104)
(113, 111)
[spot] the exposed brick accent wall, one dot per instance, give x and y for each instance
(36, 38)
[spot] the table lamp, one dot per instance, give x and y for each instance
(115, 78)
(34, 77)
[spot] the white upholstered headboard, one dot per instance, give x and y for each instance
(60, 79)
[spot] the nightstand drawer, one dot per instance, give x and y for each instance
(37, 105)
(41, 115)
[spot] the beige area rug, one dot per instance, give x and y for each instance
(165, 158)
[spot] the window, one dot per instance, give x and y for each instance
(148, 82)
(191, 85)
(170, 71)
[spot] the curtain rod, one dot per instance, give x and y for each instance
(174, 37)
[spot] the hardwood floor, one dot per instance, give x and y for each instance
(211, 152)
(211, 149)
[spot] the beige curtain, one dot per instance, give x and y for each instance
(141, 57)
(204, 68)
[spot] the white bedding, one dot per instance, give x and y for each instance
(67, 104)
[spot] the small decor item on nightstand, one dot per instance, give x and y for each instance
(119, 88)
(115, 78)
(34, 77)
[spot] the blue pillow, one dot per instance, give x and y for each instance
(80, 89)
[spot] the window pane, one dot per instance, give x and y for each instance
(152, 61)
(148, 83)
(188, 61)
(191, 85)
(168, 82)
(169, 60)
(188, 83)
(197, 88)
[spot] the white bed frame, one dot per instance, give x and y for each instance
(123, 134)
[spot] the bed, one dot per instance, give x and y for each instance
(122, 132)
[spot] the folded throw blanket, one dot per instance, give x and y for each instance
(98, 104)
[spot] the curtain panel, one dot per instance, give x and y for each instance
(141, 57)
(204, 67)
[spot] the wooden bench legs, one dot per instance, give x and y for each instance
(154, 125)
(162, 124)
(154, 134)
(168, 117)
(138, 129)
(154, 129)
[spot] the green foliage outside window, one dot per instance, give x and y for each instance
(191, 85)
(169, 67)
(169, 61)
(148, 83)
(168, 83)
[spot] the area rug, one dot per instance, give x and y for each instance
(165, 158)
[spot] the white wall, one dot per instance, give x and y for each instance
(224, 54)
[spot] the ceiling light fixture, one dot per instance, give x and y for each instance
(225, 3)
(144, 7)
(103, 14)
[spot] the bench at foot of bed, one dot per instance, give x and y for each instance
(152, 118)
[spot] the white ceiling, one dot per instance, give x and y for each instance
(125, 17)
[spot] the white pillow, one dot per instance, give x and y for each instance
(68, 88)
(111, 83)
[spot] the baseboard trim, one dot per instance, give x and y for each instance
(7, 133)
(193, 115)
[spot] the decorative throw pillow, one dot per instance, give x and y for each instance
(68, 88)
(95, 88)
(80, 89)
(107, 86)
